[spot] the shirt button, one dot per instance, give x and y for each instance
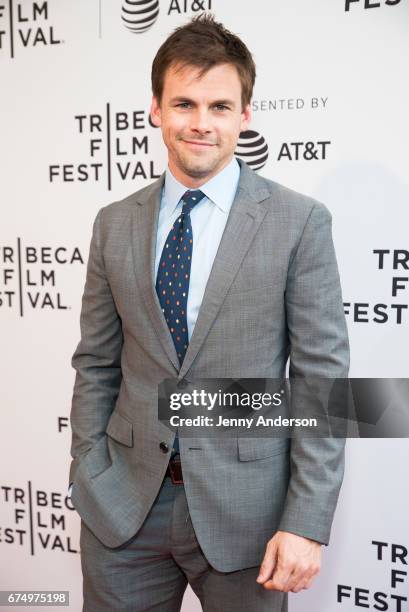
(182, 384)
(163, 447)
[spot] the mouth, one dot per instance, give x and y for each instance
(199, 143)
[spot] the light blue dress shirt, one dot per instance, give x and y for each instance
(208, 220)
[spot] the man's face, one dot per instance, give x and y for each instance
(201, 120)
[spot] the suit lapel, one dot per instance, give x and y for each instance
(143, 236)
(242, 225)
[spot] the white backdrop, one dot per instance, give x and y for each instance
(331, 102)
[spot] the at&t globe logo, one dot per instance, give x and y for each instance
(252, 149)
(139, 15)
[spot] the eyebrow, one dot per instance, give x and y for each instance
(224, 101)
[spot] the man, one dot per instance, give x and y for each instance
(211, 271)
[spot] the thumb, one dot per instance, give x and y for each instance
(268, 564)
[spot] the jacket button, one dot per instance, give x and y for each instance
(182, 384)
(163, 447)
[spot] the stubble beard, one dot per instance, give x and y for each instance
(197, 168)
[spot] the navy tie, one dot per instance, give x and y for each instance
(172, 281)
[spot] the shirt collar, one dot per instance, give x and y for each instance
(220, 189)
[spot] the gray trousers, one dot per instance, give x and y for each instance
(151, 571)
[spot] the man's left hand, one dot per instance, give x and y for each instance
(290, 563)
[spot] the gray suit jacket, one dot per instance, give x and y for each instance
(273, 293)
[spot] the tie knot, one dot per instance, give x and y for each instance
(190, 199)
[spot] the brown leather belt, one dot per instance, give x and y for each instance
(174, 471)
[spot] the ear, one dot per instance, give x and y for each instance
(155, 112)
(245, 118)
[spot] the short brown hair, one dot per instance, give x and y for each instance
(205, 43)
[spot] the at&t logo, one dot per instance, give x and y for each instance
(252, 149)
(139, 16)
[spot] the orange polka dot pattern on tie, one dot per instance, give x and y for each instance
(172, 282)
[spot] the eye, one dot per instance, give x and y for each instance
(183, 105)
(221, 107)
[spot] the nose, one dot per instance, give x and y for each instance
(201, 121)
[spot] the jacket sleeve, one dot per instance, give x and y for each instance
(97, 358)
(319, 347)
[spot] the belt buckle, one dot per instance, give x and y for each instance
(175, 469)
